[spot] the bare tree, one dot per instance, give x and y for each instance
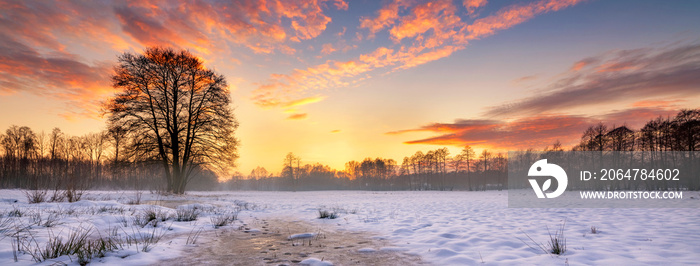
(117, 135)
(56, 141)
(258, 173)
(178, 112)
(620, 139)
(687, 127)
(95, 144)
(41, 139)
(486, 158)
(292, 165)
(468, 155)
(441, 156)
(20, 142)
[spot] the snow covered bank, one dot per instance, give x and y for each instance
(453, 228)
(442, 227)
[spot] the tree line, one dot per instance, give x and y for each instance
(432, 170)
(59, 161)
(467, 170)
(680, 133)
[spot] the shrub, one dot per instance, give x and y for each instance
(324, 214)
(137, 199)
(57, 196)
(5, 226)
(148, 239)
(556, 244)
(15, 213)
(151, 216)
(140, 220)
(244, 205)
(74, 195)
(51, 220)
(35, 196)
(193, 236)
(223, 219)
(56, 247)
(186, 214)
(78, 244)
(123, 221)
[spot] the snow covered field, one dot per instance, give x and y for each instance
(444, 228)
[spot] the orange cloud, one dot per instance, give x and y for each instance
(386, 16)
(524, 79)
(327, 49)
(41, 38)
(211, 25)
(617, 66)
(518, 134)
(330, 48)
(657, 103)
(297, 116)
(529, 132)
(62, 76)
(412, 61)
(578, 66)
(341, 4)
(434, 29)
(45, 25)
(513, 15)
(457, 126)
(436, 15)
(472, 5)
(304, 101)
(283, 89)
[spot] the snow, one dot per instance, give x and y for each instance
(315, 262)
(301, 236)
(393, 249)
(444, 228)
(366, 250)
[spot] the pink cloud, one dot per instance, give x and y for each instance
(513, 15)
(38, 37)
(386, 16)
(529, 132)
(473, 5)
(639, 75)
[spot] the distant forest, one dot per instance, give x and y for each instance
(55, 160)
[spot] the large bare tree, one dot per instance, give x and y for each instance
(177, 111)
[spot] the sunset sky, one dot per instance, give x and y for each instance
(335, 81)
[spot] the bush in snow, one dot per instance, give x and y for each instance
(223, 219)
(324, 214)
(77, 244)
(186, 214)
(35, 196)
(556, 244)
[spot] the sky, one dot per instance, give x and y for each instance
(334, 81)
